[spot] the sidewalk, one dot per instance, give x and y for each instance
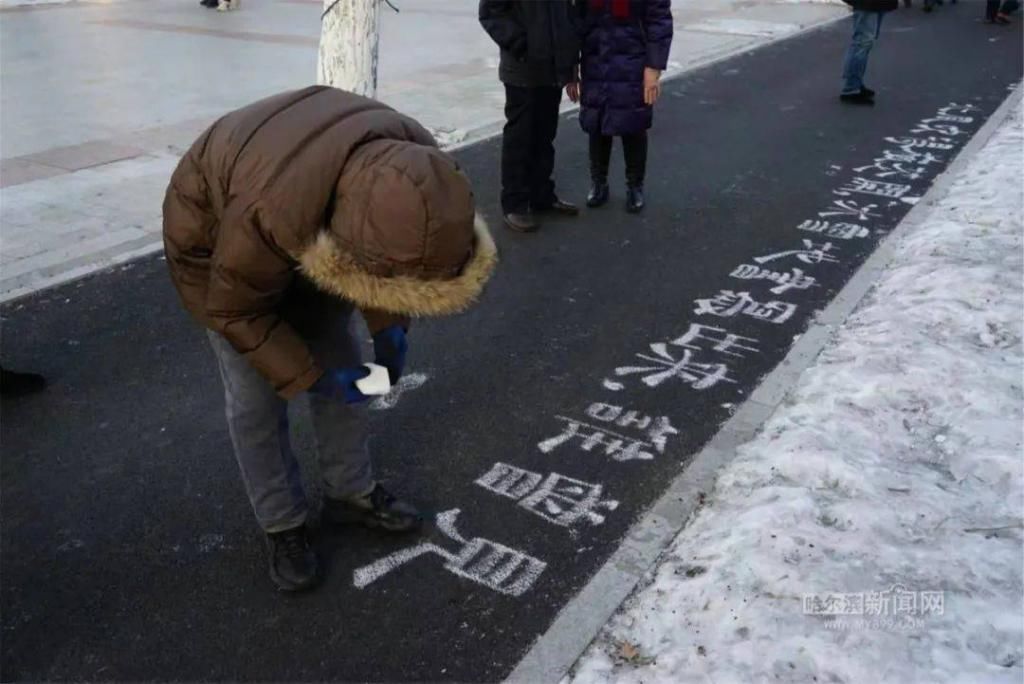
(872, 531)
(128, 86)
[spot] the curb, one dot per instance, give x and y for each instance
(554, 653)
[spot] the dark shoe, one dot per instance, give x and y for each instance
(598, 195)
(562, 207)
(857, 98)
(210, 4)
(13, 384)
(634, 199)
(927, 8)
(378, 509)
(864, 90)
(293, 565)
(521, 223)
(907, 3)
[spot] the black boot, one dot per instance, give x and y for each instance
(379, 509)
(635, 199)
(599, 193)
(13, 384)
(293, 564)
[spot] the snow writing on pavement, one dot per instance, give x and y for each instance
(700, 359)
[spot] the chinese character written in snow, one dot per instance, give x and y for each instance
(953, 108)
(655, 432)
(558, 499)
(722, 340)
(851, 208)
(483, 561)
(840, 231)
(662, 366)
(727, 304)
(907, 164)
(809, 254)
(944, 129)
(929, 143)
(866, 186)
(795, 280)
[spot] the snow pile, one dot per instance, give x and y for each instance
(896, 462)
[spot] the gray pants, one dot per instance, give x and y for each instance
(258, 423)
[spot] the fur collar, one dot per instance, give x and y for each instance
(337, 273)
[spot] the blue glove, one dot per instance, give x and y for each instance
(340, 384)
(389, 347)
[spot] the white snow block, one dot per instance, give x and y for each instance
(377, 383)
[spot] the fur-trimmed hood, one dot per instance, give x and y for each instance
(404, 236)
(335, 271)
(342, 187)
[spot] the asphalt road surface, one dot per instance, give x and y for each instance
(551, 416)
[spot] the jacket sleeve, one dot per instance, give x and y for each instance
(248, 279)
(379, 320)
(658, 27)
(499, 20)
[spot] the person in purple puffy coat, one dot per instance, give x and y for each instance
(625, 47)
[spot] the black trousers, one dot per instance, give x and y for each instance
(528, 148)
(634, 150)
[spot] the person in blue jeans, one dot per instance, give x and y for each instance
(867, 23)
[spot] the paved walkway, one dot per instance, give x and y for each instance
(100, 98)
(607, 351)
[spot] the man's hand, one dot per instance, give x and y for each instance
(340, 384)
(572, 90)
(652, 85)
(389, 347)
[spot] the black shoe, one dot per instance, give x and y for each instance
(598, 195)
(634, 199)
(864, 90)
(293, 565)
(521, 223)
(379, 509)
(210, 4)
(13, 384)
(927, 8)
(857, 98)
(561, 207)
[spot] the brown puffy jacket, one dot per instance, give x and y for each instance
(343, 189)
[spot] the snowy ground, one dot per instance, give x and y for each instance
(888, 486)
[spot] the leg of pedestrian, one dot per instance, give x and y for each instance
(516, 147)
(865, 32)
(545, 127)
(634, 149)
(600, 158)
(258, 423)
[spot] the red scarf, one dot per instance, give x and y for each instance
(619, 8)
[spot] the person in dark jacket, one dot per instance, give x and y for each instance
(625, 48)
(867, 23)
(539, 45)
(284, 220)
